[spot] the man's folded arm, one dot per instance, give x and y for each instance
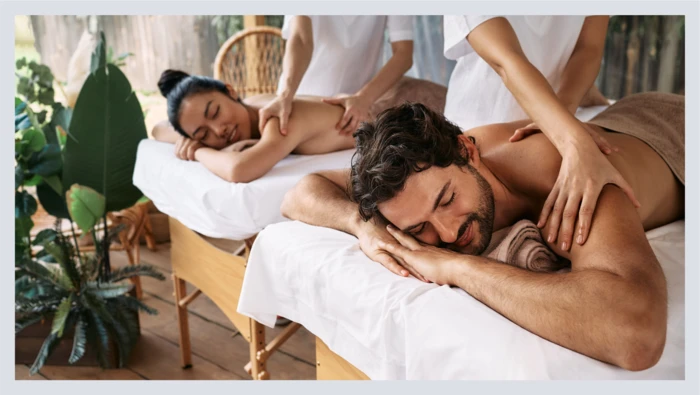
(611, 306)
(322, 199)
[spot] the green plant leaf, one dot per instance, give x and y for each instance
(144, 199)
(22, 122)
(21, 63)
(137, 305)
(25, 204)
(98, 337)
(47, 162)
(85, 205)
(45, 236)
(35, 139)
(98, 61)
(19, 175)
(25, 88)
(46, 96)
(18, 103)
(23, 225)
(53, 203)
(55, 183)
(108, 291)
(23, 322)
(34, 181)
(37, 270)
(129, 271)
(63, 256)
(108, 125)
(61, 117)
(59, 320)
(79, 341)
(44, 352)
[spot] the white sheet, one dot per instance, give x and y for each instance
(392, 327)
(207, 204)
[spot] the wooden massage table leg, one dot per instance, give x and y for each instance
(183, 323)
(258, 362)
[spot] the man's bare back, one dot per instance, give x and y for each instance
(532, 166)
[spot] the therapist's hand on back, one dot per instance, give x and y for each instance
(280, 107)
(583, 174)
(356, 111)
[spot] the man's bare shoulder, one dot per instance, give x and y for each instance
(530, 165)
(617, 242)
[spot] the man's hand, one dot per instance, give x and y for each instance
(372, 236)
(431, 263)
(239, 146)
(280, 107)
(185, 147)
(356, 111)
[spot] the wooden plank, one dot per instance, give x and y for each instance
(219, 346)
(157, 359)
(202, 306)
(87, 373)
(22, 373)
(217, 273)
(331, 366)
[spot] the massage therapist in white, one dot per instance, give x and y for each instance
(337, 57)
(538, 68)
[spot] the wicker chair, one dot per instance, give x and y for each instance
(251, 60)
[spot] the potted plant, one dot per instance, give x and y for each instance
(80, 162)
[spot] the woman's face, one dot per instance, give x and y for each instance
(214, 119)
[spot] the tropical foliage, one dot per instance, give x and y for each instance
(80, 163)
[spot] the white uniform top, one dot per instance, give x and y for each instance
(346, 51)
(476, 94)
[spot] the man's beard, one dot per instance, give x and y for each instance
(483, 217)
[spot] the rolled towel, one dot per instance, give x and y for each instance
(522, 245)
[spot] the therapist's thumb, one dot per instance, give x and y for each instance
(333, 101)
(284, 119)
(264, 115)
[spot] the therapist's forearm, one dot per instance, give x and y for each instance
(592, 312)
(317, 201)
(578, 77)
(399, 63)
(297, 56)
(583, 66)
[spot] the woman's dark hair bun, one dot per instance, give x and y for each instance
(169, 80)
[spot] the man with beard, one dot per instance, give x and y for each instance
(423, 194)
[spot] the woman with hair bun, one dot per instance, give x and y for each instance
(208, 122)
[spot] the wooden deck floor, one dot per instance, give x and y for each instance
(219, 352)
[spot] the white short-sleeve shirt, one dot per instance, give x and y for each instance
(476, 94)
(347, 50)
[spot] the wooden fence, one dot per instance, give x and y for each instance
(643, 53)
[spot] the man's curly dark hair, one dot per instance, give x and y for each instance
(402, 140)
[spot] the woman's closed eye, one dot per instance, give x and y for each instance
(216, 113)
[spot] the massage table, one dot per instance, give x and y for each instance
(371, 323)
(206, 214)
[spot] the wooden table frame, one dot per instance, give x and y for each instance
(331, 366)
(219, 275)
